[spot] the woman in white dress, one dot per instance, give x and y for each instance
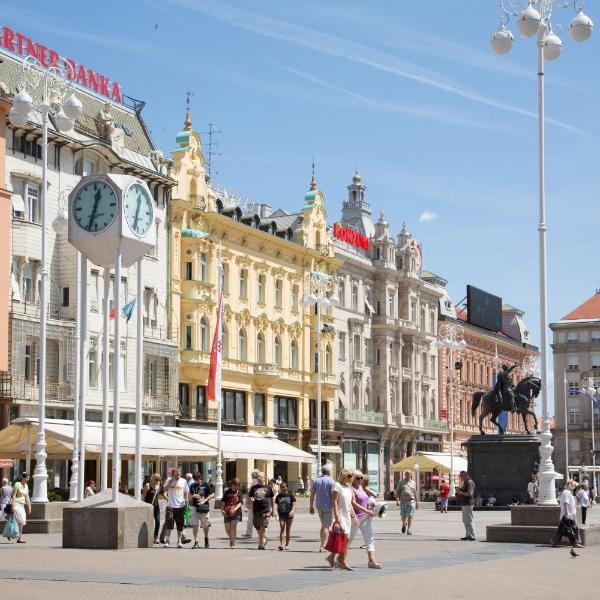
(343, 515)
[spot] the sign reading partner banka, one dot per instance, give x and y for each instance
(20, 44)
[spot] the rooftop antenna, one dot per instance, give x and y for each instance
(212, 147)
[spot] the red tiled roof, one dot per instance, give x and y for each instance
(590, 309)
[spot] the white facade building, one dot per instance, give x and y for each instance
(107, 138)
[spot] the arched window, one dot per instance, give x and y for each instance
(260, 348)
(328, 359)
(225, 342)
(294, 355)
(242, 350)
(277, 347)
(203, 335)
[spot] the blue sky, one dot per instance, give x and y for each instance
(409, 91)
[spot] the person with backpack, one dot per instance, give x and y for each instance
(201, 494)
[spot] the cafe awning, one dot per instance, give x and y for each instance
(428, 461)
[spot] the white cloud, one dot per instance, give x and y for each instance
(357, 53)
(427, 215)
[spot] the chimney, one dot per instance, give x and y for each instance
(265, 211)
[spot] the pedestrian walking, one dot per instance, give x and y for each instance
(466, 498)
(177, 493)
(568, 514)
(263, 507)
(189, 478)
(286, 505)
(232, 509)
(444, 496)
(343, 517)
(274, 486)
(532, 491)
(321, 497)
(583, 499)
(408, 500)
(21, 506)
(150, 493)
(90, 489)
(360, 504)
(201, 494)
(5, 496)
(249, 525)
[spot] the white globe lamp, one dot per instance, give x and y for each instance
(63, 122)
(552, 45)
(72, 107)
(502, 40)
(529, 21)
(16, 119)
(580, 28)
(22, 103)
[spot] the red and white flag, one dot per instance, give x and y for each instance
(216, 354)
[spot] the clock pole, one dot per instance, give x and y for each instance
(139, 358)
(105, 381)
(74, 481)
(83, 380)
(116, 457)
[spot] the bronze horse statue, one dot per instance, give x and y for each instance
(525, 392)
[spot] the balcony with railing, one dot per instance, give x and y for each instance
(393, 371)
(418, 422)
(358, 366)
(19, 388)
(192, 289)
(346, 415)
(268, 369)
(158, 403)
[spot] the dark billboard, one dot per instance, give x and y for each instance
(484, 309)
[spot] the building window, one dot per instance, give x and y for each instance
(111, 371)
(188, 337)
(234, 406)
(261, 289)
(89, 167)
(242, 350)
(32, 202)
(328, 359)
(28, 362)
(422, 323)
(356, 349)
(151, 367)
(573, 388)
(201, 408)
(574, 444)
(342, 293)
(342, 347)
(294, 355)
(184, 400)
(285, 412)
(93, 364)
(595, 361)
(189, 271)
(378, 356)
(572, 337)
(260, 348)
(65, 297)
(354, 297)
(277, 350)
(278, 293)
(432, 369)
(28, 289)
(203, 267)
(259, 409)
(244, 284)
(368, 351)
(573, 362)
(595, 335)
(203, 335)
(574, 416)
(295, 294)
(390, 306)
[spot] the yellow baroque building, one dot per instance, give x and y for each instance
(269, 376)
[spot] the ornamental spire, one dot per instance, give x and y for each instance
(313, 181)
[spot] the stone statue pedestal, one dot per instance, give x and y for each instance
(98, 522)
(502, 465)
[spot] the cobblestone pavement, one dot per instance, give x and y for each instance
(430, 563)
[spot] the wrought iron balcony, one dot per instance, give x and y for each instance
(359, 416)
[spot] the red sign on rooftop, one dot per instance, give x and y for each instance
(20, 44)
(345, 234)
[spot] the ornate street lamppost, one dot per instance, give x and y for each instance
(53, 98)
(534, 18)
(320, 293)
(451, 337)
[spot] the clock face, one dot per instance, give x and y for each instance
(138, 209)
(95, 206)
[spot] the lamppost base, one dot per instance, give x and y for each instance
(546, 474)
(40, 473)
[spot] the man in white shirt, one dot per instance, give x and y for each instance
(568, 514)
(177, 493)
(532, 491)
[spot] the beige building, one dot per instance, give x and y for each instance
(269, 339)
(576, 353)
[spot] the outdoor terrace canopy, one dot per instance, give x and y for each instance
(428, 461)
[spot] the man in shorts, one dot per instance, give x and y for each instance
(177, 493)
(408, 500)
(263, 506)
(201, 495)
(320, 495)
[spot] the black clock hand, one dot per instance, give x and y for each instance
(137, 212)
(97, 197)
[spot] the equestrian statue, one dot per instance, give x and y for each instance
(507, 397)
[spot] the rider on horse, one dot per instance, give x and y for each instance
(504, 390)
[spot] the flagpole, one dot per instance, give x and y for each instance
(105, 379)
(139, 382)
(219, 395)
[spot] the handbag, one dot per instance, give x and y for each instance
(11, 529)
(336, 542)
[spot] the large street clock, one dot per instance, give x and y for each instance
(108, 212)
